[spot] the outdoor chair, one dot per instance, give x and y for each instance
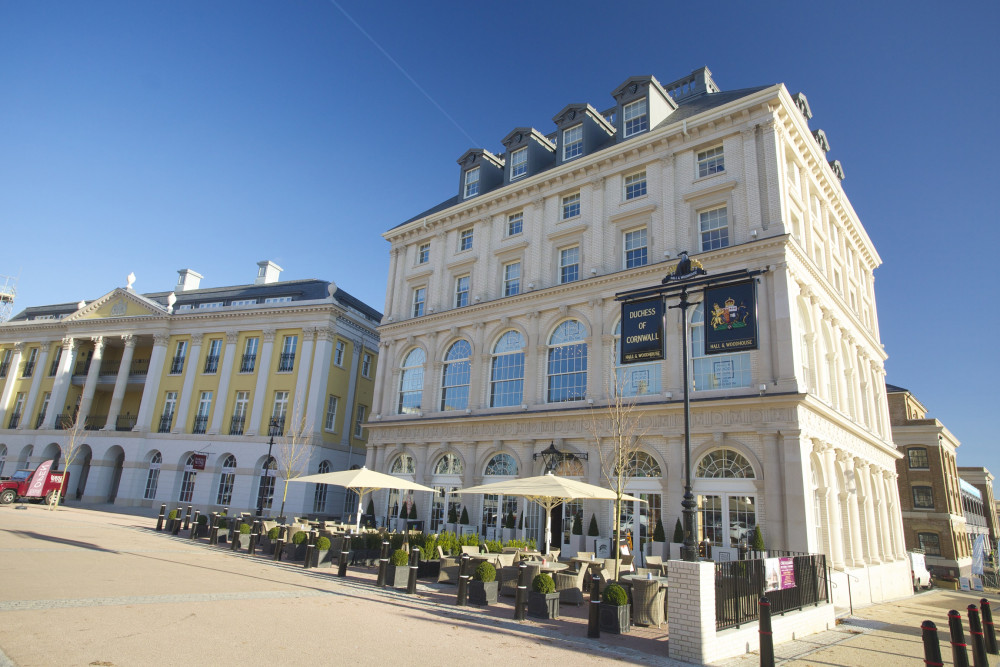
(570, 586)
(645, 571)
(504, 560)
(627, 563)
(472, 551)
(654, 562)
(553, 555)
(647, 602)
(508, 577)
(589, 555)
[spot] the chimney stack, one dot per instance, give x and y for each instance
(188, 280)
(267, 272)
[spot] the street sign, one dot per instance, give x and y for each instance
(642, 331)
(731, 318)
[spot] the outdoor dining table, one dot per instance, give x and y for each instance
(554, 566)
(629, 578)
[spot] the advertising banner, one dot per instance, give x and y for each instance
(198, 461)
(642, 331)
(779, 573)
(730, 318)
(37, 482)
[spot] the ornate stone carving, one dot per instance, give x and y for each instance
(197, 338)
(267, 335)
(232, 337)
(128, 340)
(161, 339)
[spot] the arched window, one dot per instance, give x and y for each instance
(497, 507)
(403, 465)
(319, 495)
(187, 483)
(726, 464)
(507, 371)
(569, 466)
(567, 364)
(501, 464)
(455, 377)
(226, 481)
(411, 383)
(644, 465)
(715, 371)
(449, 464)
(26, 456)
(153, 476)
(265, 486)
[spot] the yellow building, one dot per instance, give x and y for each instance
(176, 397)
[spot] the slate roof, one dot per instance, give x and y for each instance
(893, 389)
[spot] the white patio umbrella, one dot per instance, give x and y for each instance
(362, 481)
(549, 491)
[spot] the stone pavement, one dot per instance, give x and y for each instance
(93, 585)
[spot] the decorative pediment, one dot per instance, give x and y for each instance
(118, 303)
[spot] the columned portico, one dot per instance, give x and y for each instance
(60, 387)
(90, 386)
(121, 382)
(228, 357)
(36, 381)
(156, 359)
(266, 348)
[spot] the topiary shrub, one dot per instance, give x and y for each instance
(465, 517)
(172, 515)
(273, 533)
(373, 541)
(485, 573)
(542, 583)
(452, 515)
(300, 537)
(592, 529)
(400, 558)
(370, 510)
(658, 534)
(323, 543)
(678, 532)
(757, 543)
(244, 529)
(577, 524)
(520, 522)
(614, 595)
(202, 520)
(413, 511)
(221, 521)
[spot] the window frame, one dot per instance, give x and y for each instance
(641, 257)
(572, 144)
(930, 494)
(564, 268)
(465, 237)
(910, 462)
(723, 239)
(359, 421)
(462, 295)
(330, 416)
(423, 253)
(519, 163)
(339, 349)
(511, 285)
(570, 206)
(366, 364)
(470, 184)
(635, 189)
(418, 305)
(708, 165)
(637, 123)
(515, 219)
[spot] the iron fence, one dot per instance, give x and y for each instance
(740, 584)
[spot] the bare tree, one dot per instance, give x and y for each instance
(617, 430)
(292, 452)
(74, 431)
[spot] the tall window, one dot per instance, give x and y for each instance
(153, 476)
(419, 297)
(204, 407)
(930, 543)
(29, 365)
(5, 364)
(465, 239)
(227, 479)
(515, 223)
(571, 206)
(455, 377)
(214, 352)
(45, 408)
(423, 253)
(636, 248)
(727, 506)
(366, 365)
(573, 142)
(287, 361)
(319, 495)
(472, 182)
(636, 118)
(177, 363)
(279, 409)
(711, 161)
(169, 405)
(716, 371)
(187, 482)
(330, 423)
(238, 420)
(411, 383)
(512, 279)
(917, 457)
(461, 291)
(714, 229)
(635, 379)
(338, 353)
(445, 500)
(359, 422)
(265, 485)
(923, 498)
(54, 366)
(569, 264)
(567, 363)
(3, 457)
(518, 163)
(249, 361)
(507, 371)
(635, 185)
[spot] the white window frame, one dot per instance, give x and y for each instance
(519, 163)
(330, 422)
(359, 422)
(471, 182)
(711, 161)
(635, 185)
(723, 240)
(515, 223)
(631, 236)
(462, 284)
(423, 253)
(244, 302)
(277, 299)
(564, 264)
(339, 349)
(571, 206)
(279, 408)
(572, 143)
(511, 284)
(635, 117)
(465, 237)
(419, 304)
(366, 364)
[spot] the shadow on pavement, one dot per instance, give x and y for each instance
(59, 540)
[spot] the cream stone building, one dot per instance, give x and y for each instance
(179, 393)
(501, 329)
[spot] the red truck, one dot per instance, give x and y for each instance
(42, 483)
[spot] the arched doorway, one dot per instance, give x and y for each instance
(54, 452)
(80, 470)
(116, 471)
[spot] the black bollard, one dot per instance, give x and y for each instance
(988, 630)
(463, 581)
(383, 564)
(521, 597)
(187, 518)
(594, 621)
(411, 583)
(959, 651)
(932, 644)
(766, 636)
(307, 561)
(978, 642)
(159, 521)
(344, 553)
(279, 546)
(194, 524)
(178, 522)
(234, 531)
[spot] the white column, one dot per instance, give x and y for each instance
(894, 512)
(872, 531)
(263, 373)
(153, 375)
(185, 400)
(60, 387)
(228, 357)
(834, 519)
(36, 381)
(534, 362)
(302, 368)
(90, 386)
(852, 508)
(383, 389)
(319, 380)
(121, 381)
(8, 388)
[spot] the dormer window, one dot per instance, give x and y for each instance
(636, 117)
(519, 163)
(573, 142)
(472, 182)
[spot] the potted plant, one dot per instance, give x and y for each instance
(452, 525)
(678, 541)
(222, 522)
(614, 610)
(171, 519)
(757, 542)
(242, 539)
(483, 587)
(465, 517)
(202, 526)
(543, 600)
(509, 527)
(659, 538)
(398, 572)
(297, 549)
(593, 532)
(321, 554)
(270, 537)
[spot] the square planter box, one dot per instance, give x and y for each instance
(201, 530)
(294, 552)
(428, 569)
(397, 576)
(223, 535)
(483, 593)
(323, 558)
(543, 605)
(615, 619)
(242, 541)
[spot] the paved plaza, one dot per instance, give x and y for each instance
(91, 586)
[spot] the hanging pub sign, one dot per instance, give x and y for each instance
(731, 318)
(198, 461)
(642, 331)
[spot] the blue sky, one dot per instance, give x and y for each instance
(156, 136)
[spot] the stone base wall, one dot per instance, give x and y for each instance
(862, 586)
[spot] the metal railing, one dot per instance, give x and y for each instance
(29, 368)
(165, 421)
(236, 424)
(15, 419)
(200, 424)
(248, 363)
(277, 425)
(139, 367)
(126, 423)
(4, 368)
(176, 365)
(39, 420)
(63, 420)
(740, 584)
(110, 368)
(212, 364)
(286, 362)
(95, 422)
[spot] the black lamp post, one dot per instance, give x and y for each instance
(271, 430)
(689, 551)
(552, 457)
